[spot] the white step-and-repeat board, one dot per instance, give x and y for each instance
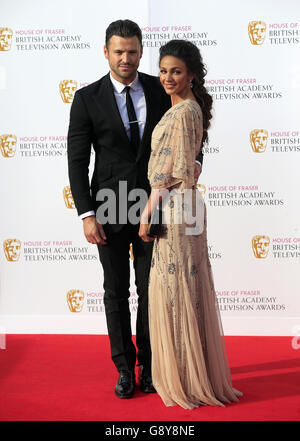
(51, 278)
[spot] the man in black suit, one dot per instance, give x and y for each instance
(118, 122)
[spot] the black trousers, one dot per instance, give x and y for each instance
(115, 260)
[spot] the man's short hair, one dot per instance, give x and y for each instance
(124, 29)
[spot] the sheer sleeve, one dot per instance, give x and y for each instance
(175, 144)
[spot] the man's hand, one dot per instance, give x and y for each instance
(197, 171)
(93, 231)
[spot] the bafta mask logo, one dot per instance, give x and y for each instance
(12, 249)
(75, 299)
(260, 246)
(8, 145)
(257, 32)
(258, 140)
(5, 39)
(202, 189)
(68, 198)
(67, 89)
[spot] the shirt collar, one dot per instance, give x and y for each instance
(119, 87)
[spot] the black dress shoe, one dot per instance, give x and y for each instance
(125, 384)
(145, 378)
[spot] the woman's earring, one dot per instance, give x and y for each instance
(191, 84)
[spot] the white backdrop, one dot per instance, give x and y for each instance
(251, 166)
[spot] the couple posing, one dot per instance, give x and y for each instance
(149, 133)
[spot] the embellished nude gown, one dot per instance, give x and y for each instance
(189, 361)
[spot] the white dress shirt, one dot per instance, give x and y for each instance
(138, 99)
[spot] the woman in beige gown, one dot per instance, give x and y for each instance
(189, 362)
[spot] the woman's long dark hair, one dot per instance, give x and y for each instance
(190, 55)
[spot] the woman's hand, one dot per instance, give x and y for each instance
(143, 233)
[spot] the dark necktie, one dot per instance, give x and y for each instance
(133, 123)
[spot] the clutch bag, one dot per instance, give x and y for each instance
(155, 223)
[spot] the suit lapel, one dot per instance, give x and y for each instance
(105, 98)
(151, 105)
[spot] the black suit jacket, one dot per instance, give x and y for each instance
(95, 121)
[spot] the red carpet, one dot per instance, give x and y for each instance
(71, 378)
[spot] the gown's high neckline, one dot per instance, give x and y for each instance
(184, 101)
